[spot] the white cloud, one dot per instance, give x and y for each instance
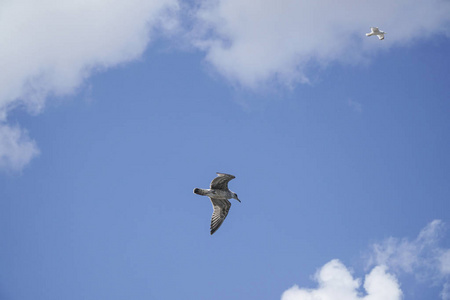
(335, 282)
(251, 42)
(409, 256)
(422, 256)
(16, 148)
(49, 47)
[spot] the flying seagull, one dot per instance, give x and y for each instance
(376, 31)
(219, 195)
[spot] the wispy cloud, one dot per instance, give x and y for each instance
(16, 148)
(356, 106)
(388, 260)
(445, 262)
(446, 291)
(50, 47)
(422, 256)
(336, 282)
(252, 42)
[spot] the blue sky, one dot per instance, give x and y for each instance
(110, 115)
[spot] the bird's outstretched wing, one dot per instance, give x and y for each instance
(374, 29)
(221, 208)
(381, 36)
(221, 181)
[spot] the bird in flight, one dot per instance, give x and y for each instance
(376, 31)
(219, 195)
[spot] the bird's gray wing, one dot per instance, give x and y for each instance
(221, 208)
(221, 181)
(375, 29)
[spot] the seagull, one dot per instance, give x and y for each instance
(376, 31)
(219, 195)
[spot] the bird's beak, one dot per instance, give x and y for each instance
(238, 199)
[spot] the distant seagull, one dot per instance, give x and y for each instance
(219, 195)
(376, 31)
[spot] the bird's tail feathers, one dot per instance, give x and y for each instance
(199, 191)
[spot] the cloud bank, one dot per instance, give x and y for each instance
(252, 42)
(422, 257)
(336, 282)
(50, 47)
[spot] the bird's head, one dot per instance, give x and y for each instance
(236, 197)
